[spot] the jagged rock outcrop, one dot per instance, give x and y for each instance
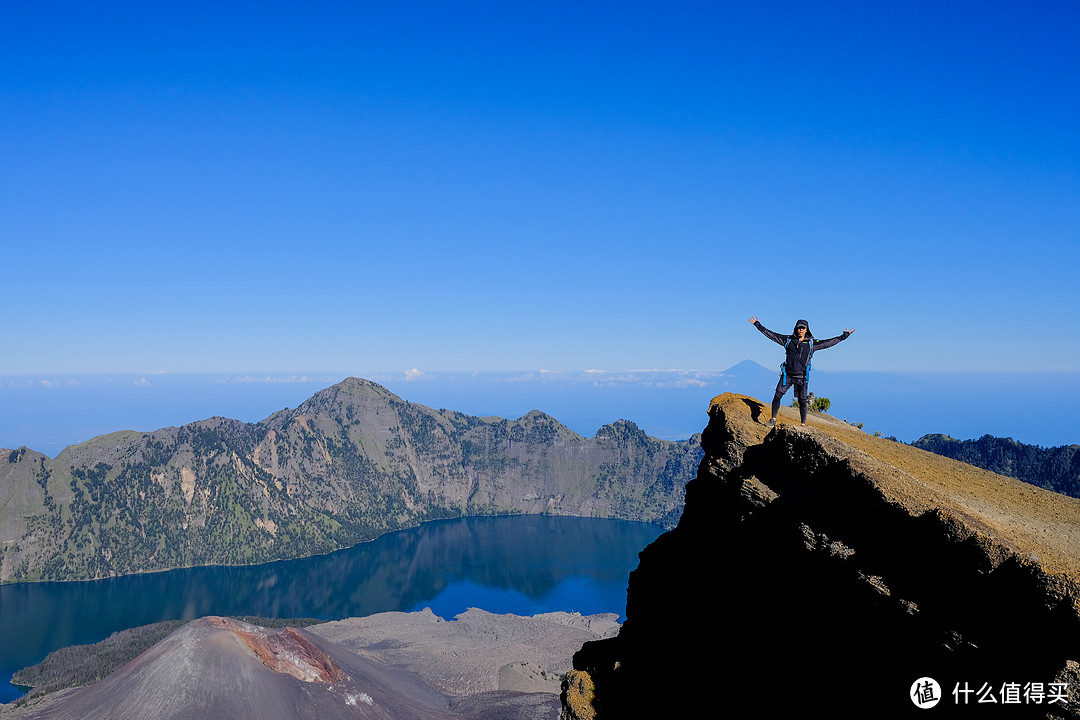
(821, 567)
(351, 463)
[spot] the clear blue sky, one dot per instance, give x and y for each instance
(357, 186)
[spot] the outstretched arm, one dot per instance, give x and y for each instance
(822, 344)
(775, 337)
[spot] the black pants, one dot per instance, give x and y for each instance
(787, 381)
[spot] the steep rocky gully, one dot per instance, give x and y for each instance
(820, 568)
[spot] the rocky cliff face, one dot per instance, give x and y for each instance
(352, 462)
(821, 567)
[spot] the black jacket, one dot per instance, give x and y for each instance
(799, 353)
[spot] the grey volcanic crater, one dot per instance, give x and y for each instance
(391, 665)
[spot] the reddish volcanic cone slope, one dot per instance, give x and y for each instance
(220, 668)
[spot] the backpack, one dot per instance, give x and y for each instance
(783, 365)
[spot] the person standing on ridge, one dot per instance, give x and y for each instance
(795, 370)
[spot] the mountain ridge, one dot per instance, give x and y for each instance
(349, 463)
(1051, 468)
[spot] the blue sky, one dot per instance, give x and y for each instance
(359, 187)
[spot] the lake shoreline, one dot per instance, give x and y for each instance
(520, 564)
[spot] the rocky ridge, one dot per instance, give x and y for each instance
(837, 569)
(349, 464)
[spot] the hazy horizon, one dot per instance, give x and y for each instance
(48, 413)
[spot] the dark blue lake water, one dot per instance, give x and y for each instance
(523, 565)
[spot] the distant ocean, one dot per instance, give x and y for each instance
(48, 413)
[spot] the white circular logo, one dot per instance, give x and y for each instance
(925, 693)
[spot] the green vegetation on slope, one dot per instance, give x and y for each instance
(1056, 469)
(351, 463)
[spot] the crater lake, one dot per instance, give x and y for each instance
(523, 564)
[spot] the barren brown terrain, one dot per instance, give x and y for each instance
(1034, 523)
